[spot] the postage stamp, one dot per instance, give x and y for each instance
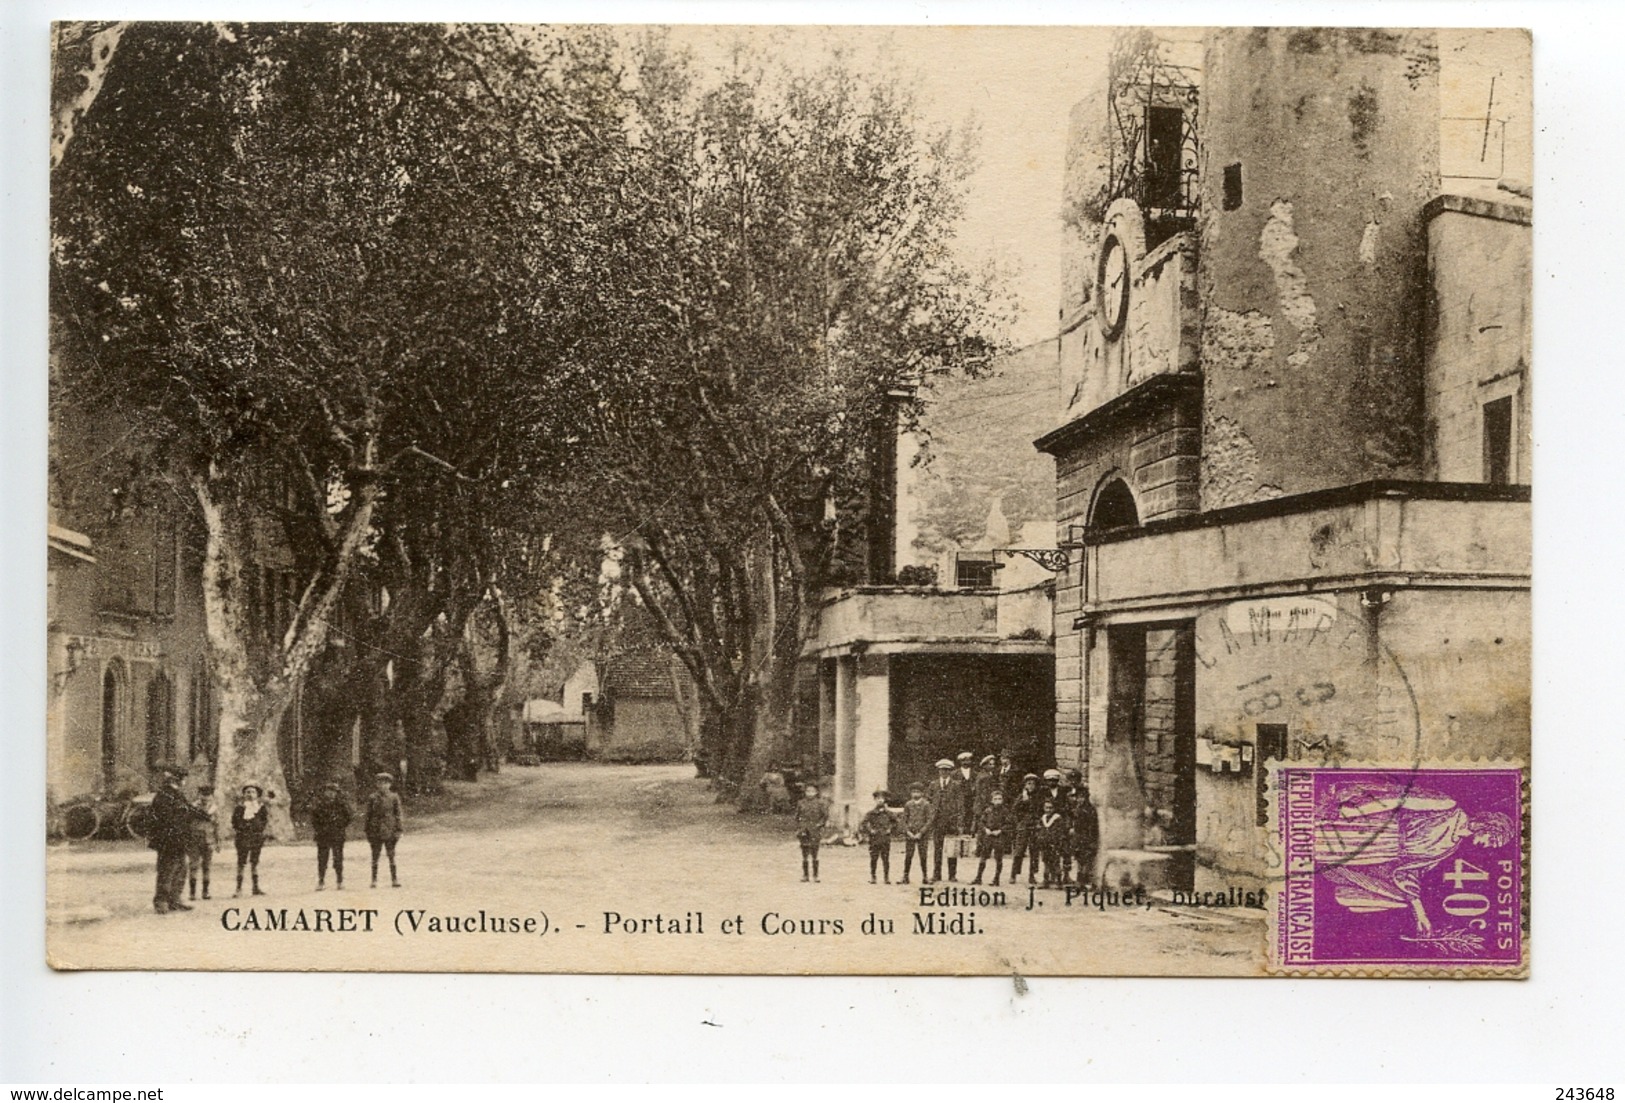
(1396, 869)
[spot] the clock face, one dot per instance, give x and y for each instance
(1112, 290)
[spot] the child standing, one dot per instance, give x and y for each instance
(812, 816)
(329, 818)
(1051, 841)
(916, 829)
(877, 828)
(202, 840)
(249, 823)
(991, 826)
(384, 824)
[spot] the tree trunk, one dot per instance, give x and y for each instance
(252, 708)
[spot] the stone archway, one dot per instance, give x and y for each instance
(1114, 506)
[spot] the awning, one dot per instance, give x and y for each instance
(68, 542)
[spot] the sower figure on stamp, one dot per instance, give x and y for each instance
(947, 818)
(812, 816)
(916, 829)
(329, 819)
(384, 824)
(203, 839)
(992, 833)
(169, 833)
(1375, 842)
(249, 823)
(876, 829)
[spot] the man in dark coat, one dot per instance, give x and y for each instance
(1085, 833)
(1007, 778)
(169, 830)
(986, 784)
(329, 819)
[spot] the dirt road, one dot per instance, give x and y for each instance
(589, 868)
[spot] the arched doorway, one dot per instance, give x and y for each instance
(1114, 507)
(111, 707)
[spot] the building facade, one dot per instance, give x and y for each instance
(1292, 461)
(945, 645)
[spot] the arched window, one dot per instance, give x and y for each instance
(110, 726)
(1114, 507)
(160, 721)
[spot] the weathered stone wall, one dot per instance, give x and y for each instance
(1312, 288)
(1478, 333)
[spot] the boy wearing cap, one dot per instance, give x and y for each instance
(876, 828)
(384, 824)
(1025, 810)
(812, 816)
(916, 827)
(329, 818)
(202, 840)
(249, 823)
(992, 827)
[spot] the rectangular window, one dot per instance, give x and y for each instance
(1498, 441)
(973, 571)
(1232, 187)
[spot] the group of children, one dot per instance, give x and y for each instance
(330, 816)
(1046, 823)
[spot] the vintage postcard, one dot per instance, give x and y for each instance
(790, 500)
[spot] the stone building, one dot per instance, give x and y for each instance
(944, 646)
(1292, 462)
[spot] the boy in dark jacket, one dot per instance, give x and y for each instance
(203, 839)
(812, 816)
(991, 833)
(329, 818)
(916, 830)
(250, 822)
(1052, 839)
(1025, 810)
(384, 825)
(876, 829)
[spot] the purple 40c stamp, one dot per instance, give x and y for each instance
(1399, 869)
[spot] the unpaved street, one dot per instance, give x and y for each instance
(563, 852)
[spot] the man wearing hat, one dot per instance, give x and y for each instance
(986, 784)
(1008, 778)
(948, 794)
(169, 830)
(329, 818)
(1085, 825)
(384, 824)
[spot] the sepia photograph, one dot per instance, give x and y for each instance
(624, 499)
